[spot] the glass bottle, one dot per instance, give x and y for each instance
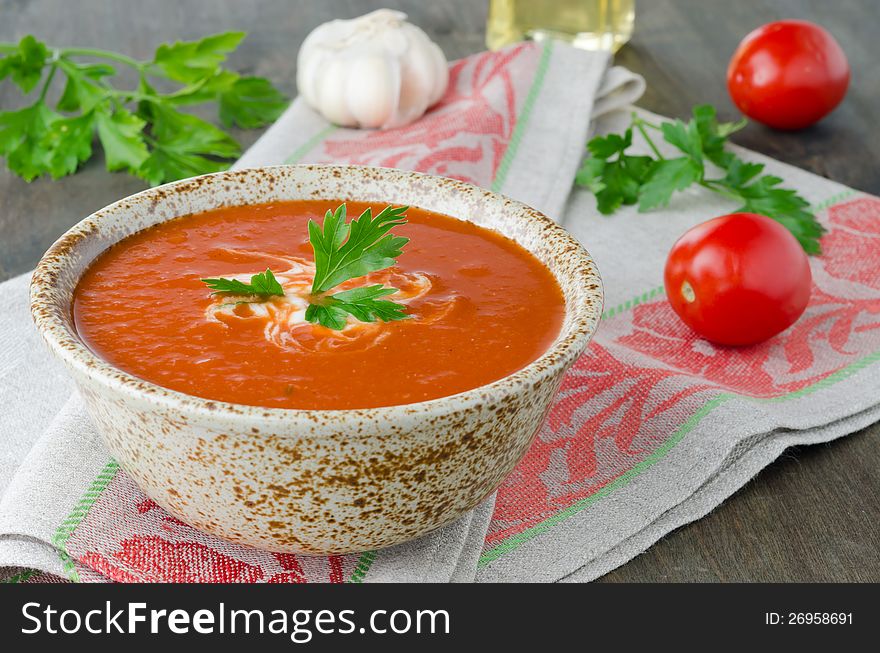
(589, 24)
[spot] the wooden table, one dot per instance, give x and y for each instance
(814, 515)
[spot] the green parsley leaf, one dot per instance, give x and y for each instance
(332, 317)
(251, 102)
(363, 303)
(68, 142)
(612, 176)
(590, 175)
(26, 64)
(247, 102)
(36, 141)
(190, 61)
(345, 251)
(122, 137)
(369, 309)
(666, 177)
(739, 172)
(786, 207)
(22, 134)
(166, 164)
(604, 147)
(182, 145)
(686, 138)
(83, 90)
(207, 89)
(264, 284)
(17, 126)
(713, 135)
(617, 178)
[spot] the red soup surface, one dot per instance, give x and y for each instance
(480, 306)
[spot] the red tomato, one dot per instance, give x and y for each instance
(738, 279)
(788, 74)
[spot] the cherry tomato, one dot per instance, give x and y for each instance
(788, 74)
(738, 279)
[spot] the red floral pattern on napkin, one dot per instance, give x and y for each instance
(852, 245)
(127, 537)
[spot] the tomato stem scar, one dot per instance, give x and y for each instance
(687, 291)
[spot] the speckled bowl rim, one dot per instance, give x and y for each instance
(48, 304)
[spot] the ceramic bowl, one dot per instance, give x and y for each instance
(316, 481)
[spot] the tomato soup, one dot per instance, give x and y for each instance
(479, 308)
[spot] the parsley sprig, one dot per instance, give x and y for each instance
(343, 251)
(363, 303)
(617, 178)
(142, 130)
(263, 285)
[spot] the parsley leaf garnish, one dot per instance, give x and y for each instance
(343, 251)
(363, 303)
(264, 284)
(617, 178)
(142, 131)
(346, 251)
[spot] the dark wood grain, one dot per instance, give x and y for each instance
(814, 515)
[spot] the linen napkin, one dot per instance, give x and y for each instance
(68, 510)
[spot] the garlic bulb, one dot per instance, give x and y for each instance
(373, 71)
